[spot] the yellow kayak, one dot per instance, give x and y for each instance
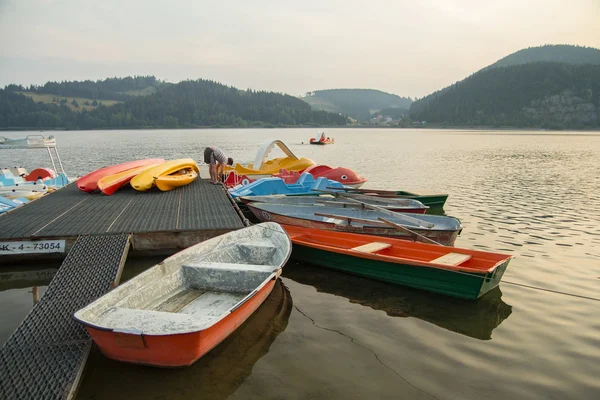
(274, 166)
(145, 180)
(170, 182)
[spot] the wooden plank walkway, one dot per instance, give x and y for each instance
(160, 222)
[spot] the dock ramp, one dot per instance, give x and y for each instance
(45, 356)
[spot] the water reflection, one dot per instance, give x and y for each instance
(436, 210)
(20, 277)
(476, 319)
(216, 375)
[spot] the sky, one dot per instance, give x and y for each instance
(406, 47)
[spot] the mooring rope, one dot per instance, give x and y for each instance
(484, 277)
(551, 290)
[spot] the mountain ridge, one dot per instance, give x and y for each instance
(187, 104)
(547, 60)
(544, 94)
(359, 104)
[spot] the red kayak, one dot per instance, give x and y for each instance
(89, 183)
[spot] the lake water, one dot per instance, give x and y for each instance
(327, 335)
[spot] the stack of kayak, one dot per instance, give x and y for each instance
(142, 175)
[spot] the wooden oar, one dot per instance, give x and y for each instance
(405, 229)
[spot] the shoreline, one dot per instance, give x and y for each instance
(453, 128)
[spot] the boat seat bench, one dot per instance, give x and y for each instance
(257, 249)
(372, 247)
(251, 252)
(144, 321)
(451, 259)
(225, 277)
(198, 314)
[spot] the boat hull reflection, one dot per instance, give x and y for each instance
(216, 375)
(476, 319)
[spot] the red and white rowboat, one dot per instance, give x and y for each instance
(178, 310)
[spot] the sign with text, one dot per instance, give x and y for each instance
(32, 247)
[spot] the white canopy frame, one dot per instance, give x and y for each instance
(266, 148)
(35, 142)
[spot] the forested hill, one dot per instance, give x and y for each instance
(107, 89)
(359, 104)
(542, 94)
(557, 53)
(199, 103)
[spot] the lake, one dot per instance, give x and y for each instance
(328, 335)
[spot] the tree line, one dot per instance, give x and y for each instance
(188, 104)
(541, 94)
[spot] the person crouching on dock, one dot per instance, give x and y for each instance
(216, 160)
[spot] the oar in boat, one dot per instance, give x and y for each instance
(405, 229)
(328, 202)
(375, 191)
(391, 213)
(370, 221)
(398, 226)
(394, 214)
(361, 195)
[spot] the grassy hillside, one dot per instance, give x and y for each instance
(318, 103)
(80, 105)
(359, 104)
(119, 89)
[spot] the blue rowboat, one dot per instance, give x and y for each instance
(440, 229)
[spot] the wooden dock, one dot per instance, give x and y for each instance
(46, 355)
(158, 222)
